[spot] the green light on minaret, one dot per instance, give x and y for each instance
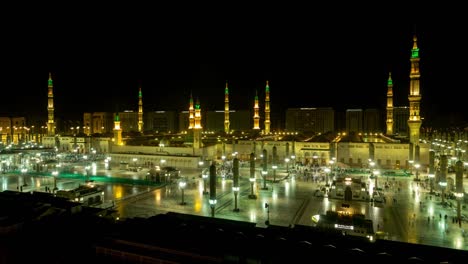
(267, 88)
(415, 50)
(197, 104)
(117, 117)
(390, 82)
(139, 93)
(50, 79)
(415, 53)
(226, 90)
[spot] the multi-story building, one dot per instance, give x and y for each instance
(161, 121)
(315, 120)
(400, 120)
(372, 121)
(97, 123)
(354, 120)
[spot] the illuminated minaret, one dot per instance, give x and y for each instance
(117, 130)
(226, 109)
(197, 126)
(191, 113)
(267, 109)
(50, 108)
(390, 105)
(414, 121)
(197, 119)
(256, 115)
(140, 111)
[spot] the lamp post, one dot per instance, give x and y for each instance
(205, 178)
(376, 174)
(55, 174)
(293, 158)
(417, 166)
(274, 167)
(264, 169)
(212, 200)
(182, 184)
(459, 192)
(411, 166)
(315, 163)
(287, 164)
(235, 188)
(264, 174)
(327, 172)
(332, 162)
(252, 176)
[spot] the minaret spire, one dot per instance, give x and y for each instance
(191, 113)
(267, 108)
(140, 111)
(226, 109)
(389, 105)
(50, 108)
(117, 130)
(414, 97)
(256, 115)
(197, 126)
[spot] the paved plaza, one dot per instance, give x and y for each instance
(410, 213)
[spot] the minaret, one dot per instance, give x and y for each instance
(414, 121)
(50, 108)
(256, 116)
(140, 111)
(117, 130)
(267, 109)
(191, 113)
(390, 105)
(226, 109)
(197, 126)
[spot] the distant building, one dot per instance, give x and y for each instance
(317, 120)
(128, 121)
(354, 120)
(161, 121)
(97, 123)
(13, 129)
(400, 117)
(372, 121)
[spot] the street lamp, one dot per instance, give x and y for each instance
(411, 166)
(55, 174)
(417, 165)
(204, 177)
(267, 206)
(252, 176)
(274, 167)
(235, 187)
(264, 174)
(431, 182)
(376, 174)
(212, 200)
(182, 184)
(327, 172)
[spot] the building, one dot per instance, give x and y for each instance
(354, 120)
(161, 121)
(400, 120)
(310, 120)
(372, 121)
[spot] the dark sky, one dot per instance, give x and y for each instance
(311, 59)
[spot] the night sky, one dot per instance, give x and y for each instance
(98, 62)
